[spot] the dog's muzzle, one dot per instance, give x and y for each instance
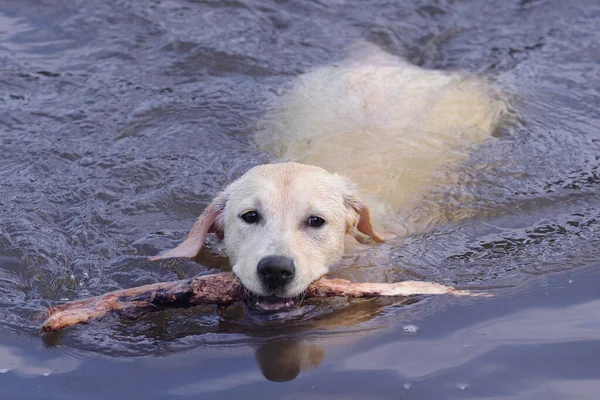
(274, 272)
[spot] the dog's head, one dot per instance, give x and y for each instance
(283, 227)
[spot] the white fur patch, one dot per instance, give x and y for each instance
(390, 126)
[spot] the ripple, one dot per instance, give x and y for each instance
(121, 120)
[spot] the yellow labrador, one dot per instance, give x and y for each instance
(384, 124)
(283, 226)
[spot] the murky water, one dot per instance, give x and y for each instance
(120, 120)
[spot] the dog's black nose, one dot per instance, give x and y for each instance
(276, 270)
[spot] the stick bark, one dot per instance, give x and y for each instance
(220, 289)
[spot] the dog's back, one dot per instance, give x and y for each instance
(392, 127)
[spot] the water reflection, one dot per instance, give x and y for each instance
(530, 327)
(218, 384)
(11, 360)
(284, 360)
(278, 360)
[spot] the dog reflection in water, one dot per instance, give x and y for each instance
(282, 361)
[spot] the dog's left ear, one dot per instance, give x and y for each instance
(358, 215)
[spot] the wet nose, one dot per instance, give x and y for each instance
(276, 271)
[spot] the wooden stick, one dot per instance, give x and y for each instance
(220, 289)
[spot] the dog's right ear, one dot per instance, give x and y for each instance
(211, 221)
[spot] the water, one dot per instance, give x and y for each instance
(120, 120)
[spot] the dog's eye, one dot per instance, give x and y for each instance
(250, 217)
(315, 222)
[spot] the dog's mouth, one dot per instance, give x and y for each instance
(271, 303)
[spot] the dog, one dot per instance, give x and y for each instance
(374, 122)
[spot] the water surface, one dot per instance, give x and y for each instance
(120, 120)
